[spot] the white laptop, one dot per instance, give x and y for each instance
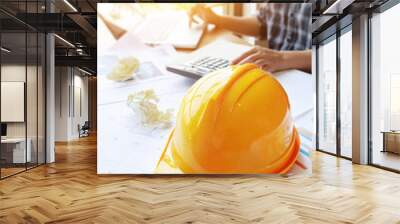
(170, 28)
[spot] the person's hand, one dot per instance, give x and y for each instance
(204, 13)
(265, 58)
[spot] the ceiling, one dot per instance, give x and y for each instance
(76, 25)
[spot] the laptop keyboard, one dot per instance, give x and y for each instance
(208, 64)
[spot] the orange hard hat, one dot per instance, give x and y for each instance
(234, 120)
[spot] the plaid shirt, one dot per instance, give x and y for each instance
(286, 26)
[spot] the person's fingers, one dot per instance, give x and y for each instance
(190, 22)
(190, 16)
(262, 64)
(243, 56)
(203, 15)
(267, 67)
(192, 13)
(251, 58)
(193, 20)
(195, 14)
(259, 63)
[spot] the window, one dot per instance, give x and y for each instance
(346, 93)
(22, 76)
(385, 89)
(327, 96)
(13, 82)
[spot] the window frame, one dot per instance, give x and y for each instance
(27, 29)
(333, 37)
(338, 32)
(378, 10)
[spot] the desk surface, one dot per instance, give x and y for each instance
(125, 145)
(391, 132)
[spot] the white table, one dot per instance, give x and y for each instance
(126, 147)
(391, 141)
(19, 154)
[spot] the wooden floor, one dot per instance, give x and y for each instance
(69, 191)
(387, 159)
(5, 172)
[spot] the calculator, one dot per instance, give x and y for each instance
(216, 55)
(199, 67)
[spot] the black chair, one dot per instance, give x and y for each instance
(84, 130)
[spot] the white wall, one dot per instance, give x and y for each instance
(80, 105)
(62, 81)
(12, 73)
(33, 126)
(71, 94)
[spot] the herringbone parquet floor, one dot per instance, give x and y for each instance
(69, 191)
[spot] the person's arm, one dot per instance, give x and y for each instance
(300, 60)
(242, 25)
(273, 61)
